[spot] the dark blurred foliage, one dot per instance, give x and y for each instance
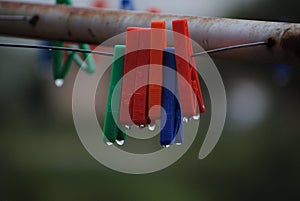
(42, 157)
(270, 10)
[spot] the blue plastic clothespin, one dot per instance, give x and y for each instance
(44, 57)
(127, 5)
(172, 132)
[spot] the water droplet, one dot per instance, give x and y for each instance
(109, 143)
(59, 82)
(120, 142)
(152, 127)
(127, 127)
(196, 117)
(166, 146)
(185, 120)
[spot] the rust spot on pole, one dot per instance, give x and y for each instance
(91, 33)
(34, 20)
(271, 42)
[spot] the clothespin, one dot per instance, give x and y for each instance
(44, 57)
(130, 62)
(186, 67)
(172, 131)
(88, 65)
(127, 5)
(60, 69)
(158, 44)
(140, 97)
(66, 2)
(99, 4)
(154, 10)
(111, 131)
(137, 61)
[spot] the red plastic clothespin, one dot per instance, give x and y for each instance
(140, 97)
(154, 10)
(186, 67)
(158, 44)
(128, 84)
(99, 4)
(137, 55)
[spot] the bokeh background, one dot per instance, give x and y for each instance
(257, 157)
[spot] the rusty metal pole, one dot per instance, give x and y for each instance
(90, 25)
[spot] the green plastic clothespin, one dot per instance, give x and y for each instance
(89, 65)
(66, 2)
(111, 132)
(61, 69)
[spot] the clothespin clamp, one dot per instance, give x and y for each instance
(61, 69)
(127, 5)
(158, 44)
(172, 130)
(154, 10)
(99, 4)
(140, 97)
(129, 78)
(186, 68)
(136, 69)
(66, 2)
(111, 131)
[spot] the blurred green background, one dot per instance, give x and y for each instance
(257, 157)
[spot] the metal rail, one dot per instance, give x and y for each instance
(91, 25)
